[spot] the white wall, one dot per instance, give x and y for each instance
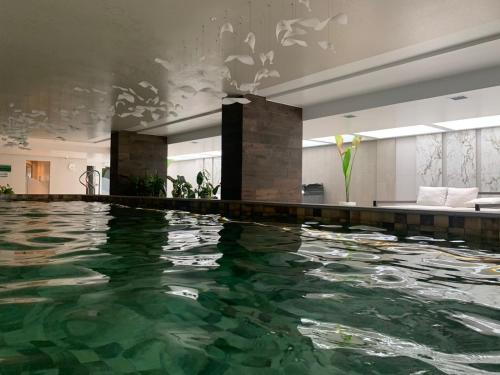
(374, 173)
(63, 180)
(392, 169)
(385, 165)
(389, 169)
(406, 169)
(322, 165)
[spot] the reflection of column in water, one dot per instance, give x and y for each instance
(135, 240)
(259, 274)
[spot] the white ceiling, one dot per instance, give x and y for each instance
(458, 62)
(64, 64)
(423, 62)
(478, 103)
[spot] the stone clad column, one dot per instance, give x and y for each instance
(135, 155)
(262, 151)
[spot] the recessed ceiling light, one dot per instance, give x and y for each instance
(331, 140)
(471, 123)
(459, 97)
(405, 131)
(200, 155)
(350, 116)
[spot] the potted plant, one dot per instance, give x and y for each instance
(347, 157)
(156, 186)
(147, 186)
(205, 189)
(6, 190)
(181, 188)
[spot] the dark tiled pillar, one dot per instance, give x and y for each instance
(262, 151)
(135, 155)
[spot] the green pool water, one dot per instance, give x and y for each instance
(88, 288)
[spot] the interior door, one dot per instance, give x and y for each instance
(37, 177)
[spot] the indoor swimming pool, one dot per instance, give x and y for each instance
(91, 288)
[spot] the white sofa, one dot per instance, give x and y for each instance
(448, 199)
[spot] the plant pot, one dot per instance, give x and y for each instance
(348, 204)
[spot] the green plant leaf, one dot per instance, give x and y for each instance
(200, 177)
(346, 162)
(7, 190)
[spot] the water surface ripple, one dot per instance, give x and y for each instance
(89, 288)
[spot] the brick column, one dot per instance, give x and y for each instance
(262, 151)
(135, 155)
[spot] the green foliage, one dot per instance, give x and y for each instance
(148, 186)
(181, 188)
(347, 156)
(205, 189)
(156, 186)
(7, 190)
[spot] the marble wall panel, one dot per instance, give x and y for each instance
(429, 150)
(490, 160)
(461, 159)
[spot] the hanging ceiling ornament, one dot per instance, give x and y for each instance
(227, 27)
(318, 25)
(244, 59)
(165, 63)
(147, 85)
(326, 45)
(285, 25)
(266, 73)
(307, 4)
(292, 42)
(295, 31)
(264, 57)
(250, 40)
(341, 19)
(248, 87)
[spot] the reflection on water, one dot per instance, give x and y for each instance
(88, 288)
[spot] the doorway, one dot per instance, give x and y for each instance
(37, 177)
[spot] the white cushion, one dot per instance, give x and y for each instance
(431, 196)
(485, 200)
(458, 197)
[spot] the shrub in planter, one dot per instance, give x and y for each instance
(7, 190)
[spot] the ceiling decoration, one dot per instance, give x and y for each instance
(78, 71)
(205, 69)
